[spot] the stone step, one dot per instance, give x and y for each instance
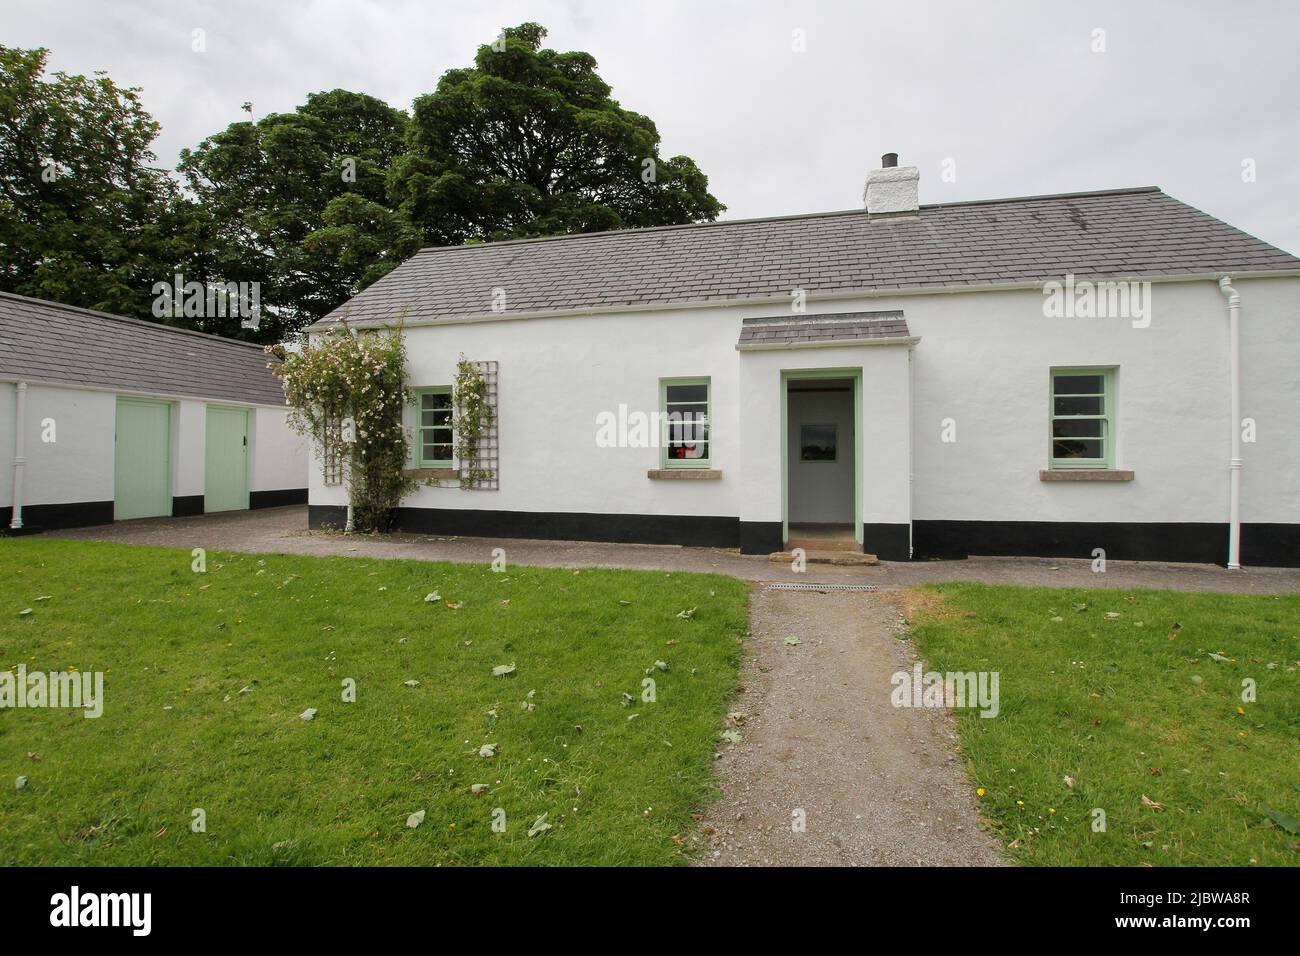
(823, 544)
(847, 558)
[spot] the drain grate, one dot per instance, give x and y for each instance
(820, 587)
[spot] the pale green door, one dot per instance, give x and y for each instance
(225, 463)
(142, 459)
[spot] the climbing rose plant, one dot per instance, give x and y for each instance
(340, 376)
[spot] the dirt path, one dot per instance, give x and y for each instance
(878, 785)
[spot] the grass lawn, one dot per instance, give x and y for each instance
(176, 647)
(1145, 704)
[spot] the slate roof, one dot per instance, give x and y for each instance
(847, 327)
(45, 342)
(1115, 234)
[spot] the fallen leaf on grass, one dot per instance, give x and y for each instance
(539, 826)
(308, 714)
(415, 819)
(1287, 822)
(684, 615)
(1148, 802)
(488, 750)
(501, 670)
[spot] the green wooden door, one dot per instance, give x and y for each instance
(225, 463)
(142, 459)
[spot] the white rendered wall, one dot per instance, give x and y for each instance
(189, 437)
(983, 361)
(279, 454)
(78, 465)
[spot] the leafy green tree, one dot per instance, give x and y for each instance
(297, 202)
(84, 218)
(528, 142)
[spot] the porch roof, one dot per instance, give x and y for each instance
(847, 328)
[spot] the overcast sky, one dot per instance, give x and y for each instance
(1012, 93)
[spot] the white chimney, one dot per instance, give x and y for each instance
(892, 190)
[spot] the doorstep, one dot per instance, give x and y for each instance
(843, 558)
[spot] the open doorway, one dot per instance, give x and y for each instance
(821, 463)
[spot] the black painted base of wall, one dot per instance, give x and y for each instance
(185, 506)
(1262, 545)
(278, 498)
(686, 530)
(760, 537)
(78, 514)
(888, 542)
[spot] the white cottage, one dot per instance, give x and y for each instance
(106, 418)
(1047, 375)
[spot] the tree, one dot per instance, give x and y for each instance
(298, 202)
(528, 142)
(84, 218)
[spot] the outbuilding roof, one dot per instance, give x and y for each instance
(1128, 233)
(45, 342)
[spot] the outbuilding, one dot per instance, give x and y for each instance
(105, 418)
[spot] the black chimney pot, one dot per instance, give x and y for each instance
(889, 161)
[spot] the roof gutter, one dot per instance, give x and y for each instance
(20, 453)
(1234, 387)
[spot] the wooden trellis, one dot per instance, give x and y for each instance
(488, 448)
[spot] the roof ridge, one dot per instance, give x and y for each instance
(49, 303)
(782, 218)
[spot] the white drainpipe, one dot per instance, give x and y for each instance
(20, 457)
(1234, 385)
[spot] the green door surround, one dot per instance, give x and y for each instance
(142, 460)
(859, 452)
(225, 459)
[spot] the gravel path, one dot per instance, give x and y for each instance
(877, 785)
(284, 531)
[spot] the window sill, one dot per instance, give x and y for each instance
(1084, 474)
(684, 474)
(435, 474)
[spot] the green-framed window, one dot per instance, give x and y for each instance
(434, 441)
(686, 437)
(1082, 431)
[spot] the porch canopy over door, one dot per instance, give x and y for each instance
(873, 349)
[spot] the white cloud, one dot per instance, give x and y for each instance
(1012, 92)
